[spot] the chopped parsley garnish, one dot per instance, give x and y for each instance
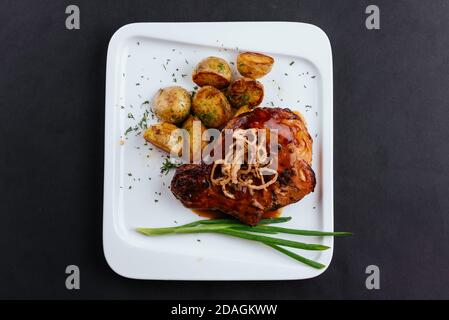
(128, 130)
(143, 123)
(244, 99)
(207, 117)
(167, 165)
(221, 67)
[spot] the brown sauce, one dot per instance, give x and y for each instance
(210, 214)
(214, 214)
(272, 214)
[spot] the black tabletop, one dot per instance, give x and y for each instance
(391, 132)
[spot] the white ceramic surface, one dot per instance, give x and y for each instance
(143, 57)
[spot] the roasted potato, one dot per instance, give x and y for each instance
(212, 71)
(161, 136)
(254, 65)
(211, 106)
(195, 128)
(245, 92)
(172, 104)
(241, 110)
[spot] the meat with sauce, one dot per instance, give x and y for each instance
(207, 186)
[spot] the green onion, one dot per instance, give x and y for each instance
(297, 257)
(234, 228)
(270, 240)
(271, 229)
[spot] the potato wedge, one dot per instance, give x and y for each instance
(212, 71)
(211, 106)
(245, 91)
(160, 135)
(172, 104)
(195, 128)
(254, 65)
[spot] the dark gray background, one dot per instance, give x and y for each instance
(391, 147)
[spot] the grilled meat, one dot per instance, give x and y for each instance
(194, 186)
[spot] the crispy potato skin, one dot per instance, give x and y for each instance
(196, 143)
(241, 110)
(212, 71)
(245, 91)
(172, 104)
(211, 106)
(254, 65)
(159, 135)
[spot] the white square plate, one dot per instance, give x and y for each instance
(144, 57)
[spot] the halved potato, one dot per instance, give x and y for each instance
(172, 104)
(195, 128)
(245, 91)
(211, 106)
(162, 135)
(254, 65)
(212, 71)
